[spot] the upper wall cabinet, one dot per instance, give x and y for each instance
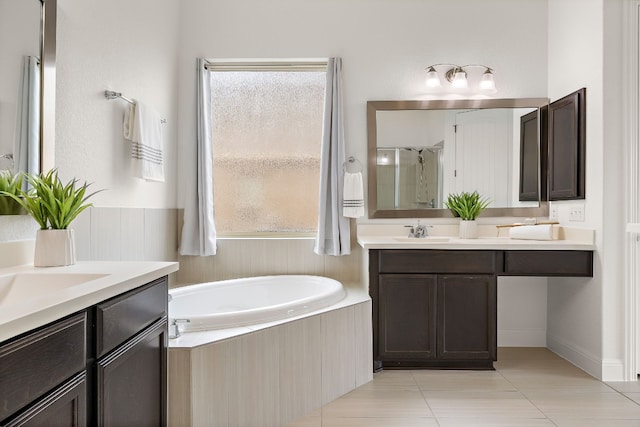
(567, 138)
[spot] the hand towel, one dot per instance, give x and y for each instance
(142, 126)
(353, 195)
(532, 232)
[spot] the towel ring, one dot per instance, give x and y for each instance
(352, 160)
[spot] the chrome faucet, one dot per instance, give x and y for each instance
(419, 230)
(174, 327)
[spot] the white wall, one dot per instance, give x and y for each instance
(129, 47)
(586, 318)
(385, 46)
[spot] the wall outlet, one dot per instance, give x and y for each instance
(553, 212)
(576, 213)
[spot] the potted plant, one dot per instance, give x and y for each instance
(53, 205)
(467, 206)
(10, 184)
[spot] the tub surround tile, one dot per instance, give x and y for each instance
(160, 234)
(179, 388)
(338, 353)
(211, 377)
(364, 343)
(133, 236)
(300, 368)
(272, 376)
(105, 234)
(253, 393)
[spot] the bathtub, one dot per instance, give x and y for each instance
(248, 301)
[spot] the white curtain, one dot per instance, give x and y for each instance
(199, 230)
(27, 135)
(333, 236)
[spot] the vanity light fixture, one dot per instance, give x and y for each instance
(457, 76)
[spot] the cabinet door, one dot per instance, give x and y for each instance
(407, 317)
(132, 381)
(64, 407)
(466, 317)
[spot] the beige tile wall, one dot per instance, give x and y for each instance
(126, 234)
(255, 257)
(272, 376)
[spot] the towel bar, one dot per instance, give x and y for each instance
(109, 94)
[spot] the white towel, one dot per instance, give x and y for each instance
(143, 128)
(353, 195)
(532, 232)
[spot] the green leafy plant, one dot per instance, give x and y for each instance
(12, 184)
(467, 206)
(52, 203)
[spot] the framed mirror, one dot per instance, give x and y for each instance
(419, 152)
(27, 90)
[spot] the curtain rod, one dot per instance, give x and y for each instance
(316, 65)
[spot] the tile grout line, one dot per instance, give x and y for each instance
(546, 417)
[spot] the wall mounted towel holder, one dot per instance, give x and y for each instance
(110, 94)
(352, 161)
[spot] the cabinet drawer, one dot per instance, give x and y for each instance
(436, 261)
(36, 363)
(120, 318)
(549, 263)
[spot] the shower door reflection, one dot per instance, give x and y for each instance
(409, 177)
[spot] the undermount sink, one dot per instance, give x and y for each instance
(428, 239)
(23, 286)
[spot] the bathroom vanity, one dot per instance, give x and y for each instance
(91, 353)
(434, 304)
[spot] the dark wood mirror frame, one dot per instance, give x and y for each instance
(373, 106)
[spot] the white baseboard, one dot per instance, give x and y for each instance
(580, 357)
(613, 370)
(522, 338)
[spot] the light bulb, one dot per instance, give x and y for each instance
(487, 83)
(432, 78)
(459, 80)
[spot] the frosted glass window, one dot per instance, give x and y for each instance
(267, 131)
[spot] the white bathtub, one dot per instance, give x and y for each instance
(241, 302)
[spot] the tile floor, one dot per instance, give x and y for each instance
(530, 387)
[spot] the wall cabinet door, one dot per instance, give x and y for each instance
(407, 318)
(132, 381)
(466, 317)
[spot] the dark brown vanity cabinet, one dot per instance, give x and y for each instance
(104, 366)
(43, 375)
(438, 308)
(433, 308)
(131, 370)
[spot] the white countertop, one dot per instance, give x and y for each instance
(490, 238)
(488, 243)
(38, 310)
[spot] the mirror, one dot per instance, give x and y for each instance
(421, 151)
(27, 89)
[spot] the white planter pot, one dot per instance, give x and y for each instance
(54, 248)
(468, 229)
